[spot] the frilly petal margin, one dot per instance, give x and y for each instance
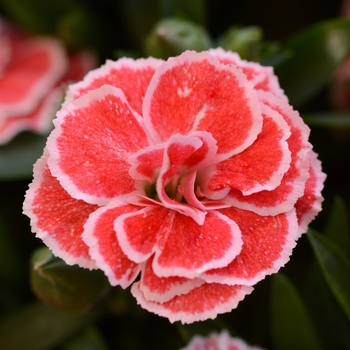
(132, 76)
(56, 217)
(36, 66)
(309, 205)
(262, 78)
(215, 341)
(202, 303)
(97, 127)
(162, 289)
(100, 237)
(268, 242)
(204, 95)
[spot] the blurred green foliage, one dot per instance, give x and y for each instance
(306, 307)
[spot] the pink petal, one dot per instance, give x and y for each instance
(191, 249)
(91, 144)
(132, 76)
(202, 303)
(267, 245)
(161, 289)
(309, 205)
(147, 163)
(215, 341)
(259, 167)
(179, 149)
(100, 237)
(284, 197)
(195, 92)
(56, 217)
(142, 232)
(39, 120)
(35, 67)
(262, 77)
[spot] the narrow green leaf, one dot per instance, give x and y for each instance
(337, 227)
(18, 156)
(329, 120)
(194, 10)
(38, 326)
(291, 327)
(335, 266)
(315, 54)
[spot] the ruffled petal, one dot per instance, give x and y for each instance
(309, 205)
(39, 120)
(215, 341)
(100, 237)
(284, 197)
(132, 76)
(268, 242)
(161, 289)
(179, 150)
(259, 167)
(202, 303)
(36, 66)
(142, 232)
(91, 144)
(56, 217)
(225, 104)
(191, 249)
(262, 77)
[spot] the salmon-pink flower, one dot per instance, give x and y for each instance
(32, 73)
(216, 341)
(194, 173)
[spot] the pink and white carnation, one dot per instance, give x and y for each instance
(193, 173)
(215, 341)
(33, 71)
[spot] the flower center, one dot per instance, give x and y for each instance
(167, 173)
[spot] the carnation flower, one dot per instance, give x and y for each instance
(32, 72)
(193, 173)
(215, 341)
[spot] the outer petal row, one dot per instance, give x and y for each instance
(225, 103)
(91, 144)
(57, 218)
(201, 303)
(284, 197)
(131, 76)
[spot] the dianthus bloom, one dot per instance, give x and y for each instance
(215, 341)
(194, 173)
(32, 71)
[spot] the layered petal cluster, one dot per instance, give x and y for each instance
(218, 341)
(32, 73)
(190, 179)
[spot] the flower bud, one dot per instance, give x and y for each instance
(172, 36)
(68, 288)
(244, 40)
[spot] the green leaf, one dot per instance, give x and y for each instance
(335, 266)
(68, 288)
(18, 156)
(328, 317)
(38, 326)
(194, 10)
(172, 36)
(329, 120)
(315, 54)
(291, 327)
(337, 227)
